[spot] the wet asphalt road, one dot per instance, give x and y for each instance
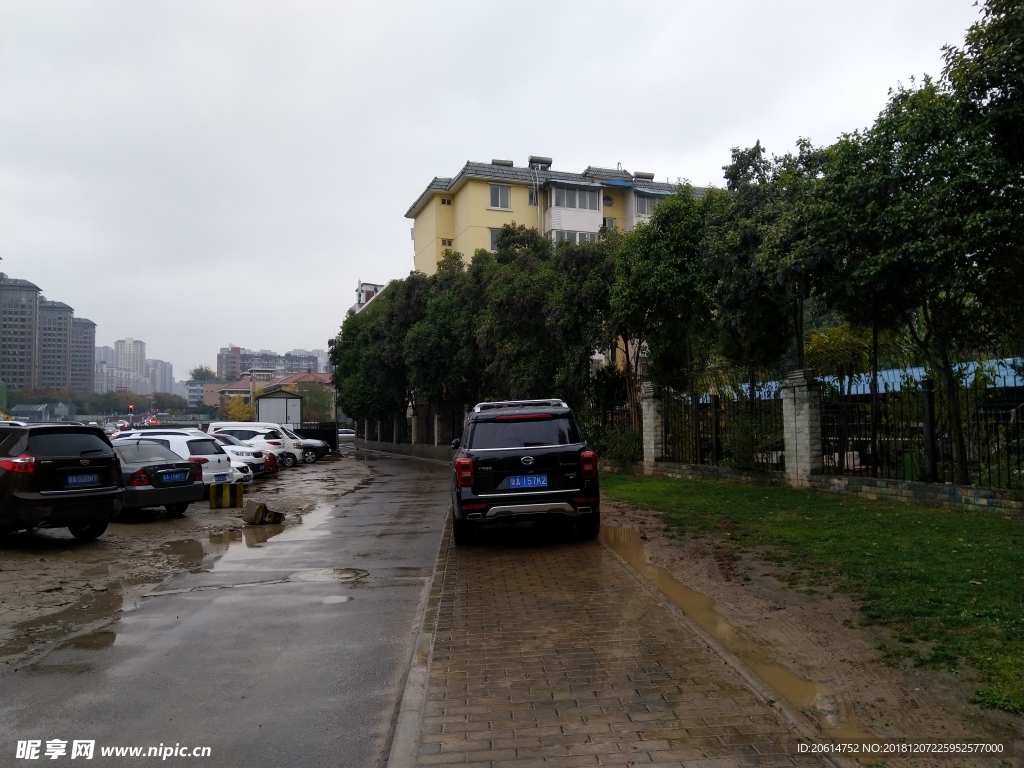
(292, 652)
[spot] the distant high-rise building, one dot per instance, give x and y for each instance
(130, 354)
(161, 375)
(105, 355)
(234, 361)
(110, 379)
(19, 332)
(83, 352)
(54, 353)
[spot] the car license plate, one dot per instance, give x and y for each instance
(528, 481)
(172, 477)
(90, 479)
(220, 478)
(259, 467)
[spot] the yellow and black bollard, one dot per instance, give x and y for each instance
(226, 496)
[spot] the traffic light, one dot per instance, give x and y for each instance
(131, 409)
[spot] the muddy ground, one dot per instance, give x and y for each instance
(53, 587)
(814, 634)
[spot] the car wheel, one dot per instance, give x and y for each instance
(288, 460)
(464, 533)
(309, 455)
(176, 510)
(590, 526)
(87, 531)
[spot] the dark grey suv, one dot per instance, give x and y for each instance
(56, 476)
(521, 460)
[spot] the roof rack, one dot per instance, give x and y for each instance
(551, 403)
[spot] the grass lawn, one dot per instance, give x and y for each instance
(950, 584)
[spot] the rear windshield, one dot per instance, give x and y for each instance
(203, 447)
(524, 434)
(228, 439)
(67, 444)
(272, 435)
(148, 452)
(241, 434)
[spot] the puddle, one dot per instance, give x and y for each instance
(332, 599)
(255, 535)
(189, 550)
(831, 713)
(94, 641)
(89, 607)
(330, 574)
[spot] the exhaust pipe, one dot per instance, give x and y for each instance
(474, 516)
(583, 510)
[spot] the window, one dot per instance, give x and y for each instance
(588, 237)
(500, 196)
(524, 434)
(446, 243)
(446, 201)
(562, 235)
(645, 205)
(587, 199)
(494, 240)
(533, 196)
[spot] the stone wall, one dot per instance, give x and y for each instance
(929, 494)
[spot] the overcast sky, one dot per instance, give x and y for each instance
(195, 174)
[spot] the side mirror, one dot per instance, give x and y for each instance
(456, 443)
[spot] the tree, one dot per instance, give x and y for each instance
(317, 400)
(236, 409)
(444, 362)
(751, 308)
(522, 356)
(906, 198)
(202, 373)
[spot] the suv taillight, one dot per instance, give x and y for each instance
(588, 465)
(24, 464)
(274, 442)
(199, 459)
(464, 472)
(199, 471)
(139, 478)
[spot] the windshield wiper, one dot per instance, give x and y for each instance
(93, 450)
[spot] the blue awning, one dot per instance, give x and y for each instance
(619, 183)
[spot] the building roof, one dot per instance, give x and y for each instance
(492, 172)
(82, 321)
(14, 282)
(47, 304)
(298, 378)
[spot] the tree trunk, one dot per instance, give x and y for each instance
(841, 428)
(798, 330)
(698, 448)
(956, 427)
(874, 399)
(633, 385)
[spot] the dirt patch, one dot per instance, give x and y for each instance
(53, 586)
(816, 633)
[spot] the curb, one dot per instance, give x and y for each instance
(410, 711)
(800, 722)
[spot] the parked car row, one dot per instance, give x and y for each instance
(77, 476)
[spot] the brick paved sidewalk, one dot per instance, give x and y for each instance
(550, 653)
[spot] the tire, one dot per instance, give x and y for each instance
(309, 455)
(590, 526)
(463, 533)
(289, 460)
(87, 531)
(176, 510)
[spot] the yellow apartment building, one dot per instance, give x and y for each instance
(465, 212)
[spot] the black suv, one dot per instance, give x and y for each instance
(57, 475)
(523, 459)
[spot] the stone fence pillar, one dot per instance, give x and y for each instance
(654, 430)
(801, 416)
(417, 430)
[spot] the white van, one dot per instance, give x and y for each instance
(292, 442)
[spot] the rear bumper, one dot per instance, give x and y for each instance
(136, 498)
(33, 510)
(509, 509)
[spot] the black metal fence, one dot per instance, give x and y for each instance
(614, 431)
(908, 434)
(727, 429)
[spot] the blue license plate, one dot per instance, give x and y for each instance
(220, 478)
(90, 479)
(171, 477)
(528, 481)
